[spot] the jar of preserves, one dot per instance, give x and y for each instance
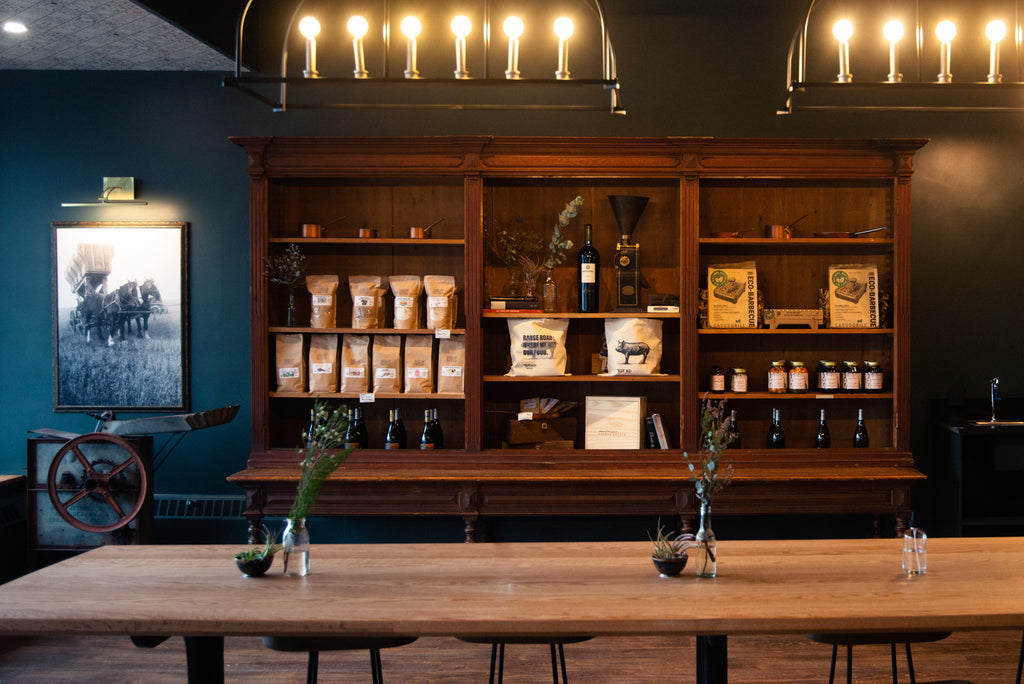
(828, 376)
(738, 380)
(851, 377)
(874, 378)
(799, 380)
(778, 378)
(717, 379)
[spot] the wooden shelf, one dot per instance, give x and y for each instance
(798, 396)
(361, 331)
(584, 378)
(569, 315)
(367, 241)
(795, 331)
(412, 396)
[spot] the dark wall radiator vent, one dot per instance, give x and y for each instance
(178, 506)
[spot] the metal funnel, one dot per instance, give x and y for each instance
(627, 210)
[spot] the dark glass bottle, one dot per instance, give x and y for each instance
(776, 435)
(823, 440)
(427, 436)
(351, 439)
(362, 436)
(588, 272)
(734, 432)
(395, 437)
(435, 425)
(860, 436)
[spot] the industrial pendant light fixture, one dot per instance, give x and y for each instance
(861, 85)
(538, 76)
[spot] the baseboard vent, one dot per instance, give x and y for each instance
(198, 506)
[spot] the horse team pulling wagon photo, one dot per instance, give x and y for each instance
(119, 344)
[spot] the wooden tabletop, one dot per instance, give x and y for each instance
(764, 587)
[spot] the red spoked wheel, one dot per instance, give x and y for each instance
(99, 479)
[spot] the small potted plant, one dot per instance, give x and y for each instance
(669, 554)
(255, 561)
(289, 269)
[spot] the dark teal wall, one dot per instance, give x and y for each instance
(718, 74)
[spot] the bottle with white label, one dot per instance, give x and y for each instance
(589, 263)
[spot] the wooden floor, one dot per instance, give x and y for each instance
(980, 657)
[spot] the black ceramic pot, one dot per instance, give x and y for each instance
(670, 567)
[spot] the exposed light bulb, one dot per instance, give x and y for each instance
(995, 32)
(945, 32)
(564, 27)
(358, 27)
(14, 27)
(843, 30)
(310, 28)
(893, 32)
(461, 27)
(513, 28)
(411, 28)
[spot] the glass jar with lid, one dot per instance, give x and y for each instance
(738, 380)
(851, 379)
(778, 377)
(717, 383)
(799, 380)
(828, 376)
(874, 377)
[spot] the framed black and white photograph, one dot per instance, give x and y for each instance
(120, 316)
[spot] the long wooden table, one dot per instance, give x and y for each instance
(523, 589)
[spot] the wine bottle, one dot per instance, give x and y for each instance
(776, 435)
(860, 436)
(362, 437)
(734, 432)
(588, 278)
(822, 440)
(351, 439)
(395, 437)
(427, 437)
(435, 425)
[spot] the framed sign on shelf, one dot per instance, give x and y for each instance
(120, 316)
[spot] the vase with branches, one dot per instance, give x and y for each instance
(289, 269)
(713, 476)
(319, 457)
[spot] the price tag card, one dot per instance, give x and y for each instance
(442, 334)
(525, 415)
(367, 398)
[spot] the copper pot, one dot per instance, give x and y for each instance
(312, 230)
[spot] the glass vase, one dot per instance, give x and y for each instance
(290, 320)
(707, 554)
(295, 547)
(549, 293)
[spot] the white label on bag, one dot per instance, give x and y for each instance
(387, 373)
(287, 372)
(363, 300)
(321, 300)
(417, 372)
(322, 368)
(354, 371)
(451, 371)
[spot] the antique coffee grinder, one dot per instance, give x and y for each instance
(628, 279)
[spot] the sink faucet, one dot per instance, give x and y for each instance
(994, 390)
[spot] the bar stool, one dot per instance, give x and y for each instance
(498, 652)
(314, 645)
(851, 640)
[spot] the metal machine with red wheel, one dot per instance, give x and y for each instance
(100, 482)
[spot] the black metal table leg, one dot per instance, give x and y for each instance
(205, 656)
(712, 659)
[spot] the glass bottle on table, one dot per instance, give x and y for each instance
(362, 436)
(435, 425)
(395, 436)
(588, 272)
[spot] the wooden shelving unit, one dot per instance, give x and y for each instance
(698, 188)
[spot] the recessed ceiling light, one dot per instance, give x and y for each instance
(14, 27)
